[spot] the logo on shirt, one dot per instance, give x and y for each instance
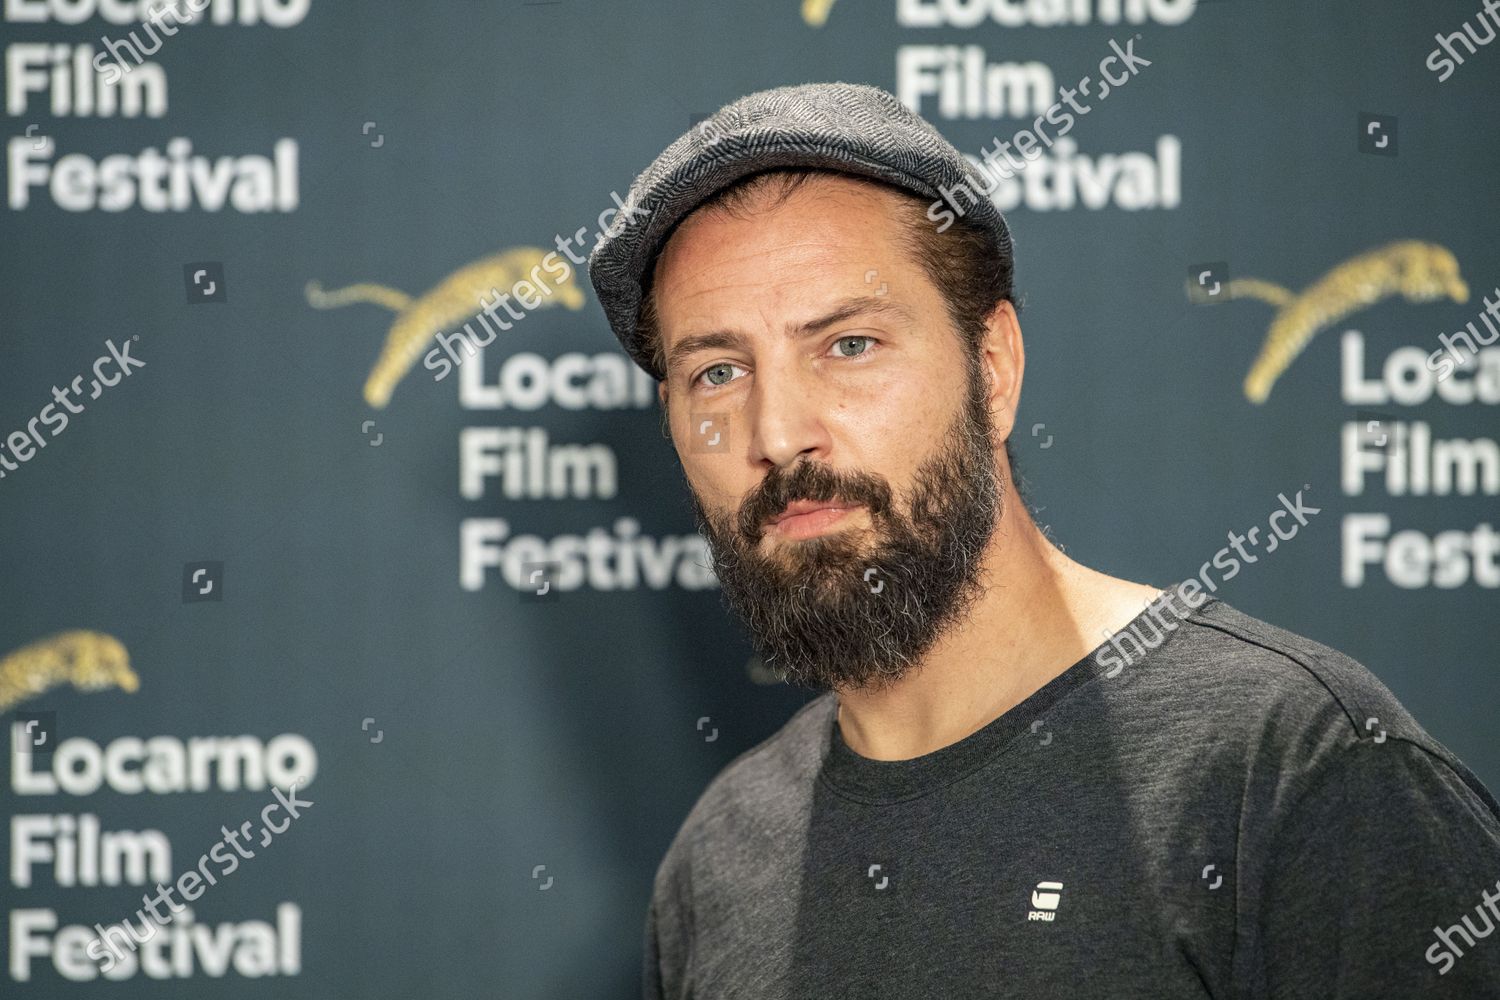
(1045, 898)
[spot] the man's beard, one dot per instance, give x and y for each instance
(842, 611)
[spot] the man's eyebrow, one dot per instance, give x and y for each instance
(872, 305)
(677, 357)
(848, 309)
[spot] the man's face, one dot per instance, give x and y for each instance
(852, 486)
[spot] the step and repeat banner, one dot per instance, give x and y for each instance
(357, 640)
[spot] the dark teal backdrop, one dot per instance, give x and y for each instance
(495, 774)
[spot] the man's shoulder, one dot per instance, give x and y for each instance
(787, 757)
(1252, 664)
(1275, 697)
(765, 789)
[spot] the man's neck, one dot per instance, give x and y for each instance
(1041, 612)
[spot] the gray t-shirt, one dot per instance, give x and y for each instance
(1204, 806)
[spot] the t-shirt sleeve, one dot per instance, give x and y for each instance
(667, 934)
(651, 984)
(1384, 881)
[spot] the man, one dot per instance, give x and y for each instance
(987, 801)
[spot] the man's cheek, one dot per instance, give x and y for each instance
(719, 502)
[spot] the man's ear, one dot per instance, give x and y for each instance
(1003, 357)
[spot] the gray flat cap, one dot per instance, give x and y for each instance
(851, 127)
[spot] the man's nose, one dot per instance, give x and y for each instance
(786, 420)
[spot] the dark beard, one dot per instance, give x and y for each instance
(844, 611)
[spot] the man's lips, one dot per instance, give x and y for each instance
(804, 518)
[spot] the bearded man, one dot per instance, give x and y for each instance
(986, 800)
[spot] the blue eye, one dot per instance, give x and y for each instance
(725, 368)
(864, 345)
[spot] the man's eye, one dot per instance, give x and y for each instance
(860, 345)
(719, 374)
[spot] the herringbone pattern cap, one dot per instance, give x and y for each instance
(852, 127)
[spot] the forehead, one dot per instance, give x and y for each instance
(829, 222)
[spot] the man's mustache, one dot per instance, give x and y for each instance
(814, 481)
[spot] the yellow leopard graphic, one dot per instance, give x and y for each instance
(815, 12)
(454, 299)
(1420, 272)
(90, 661)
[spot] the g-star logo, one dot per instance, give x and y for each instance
(1045, 897)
